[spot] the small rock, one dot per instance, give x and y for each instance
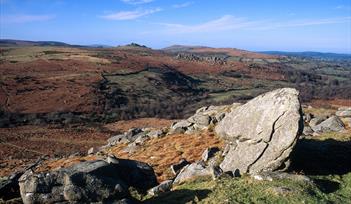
(156, 134)
(165, 186)
(92, 150)
(270, 176)
(332, 124)
(118, 139)
(216, 172)
(209, 153)
(141, 139)
(176, 168)
(192, 171)
(344, 108)
(343, 113)
(307, 117)
(315, 121)
(180, 127)
(131, 148)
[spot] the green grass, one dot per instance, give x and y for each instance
(325, 189)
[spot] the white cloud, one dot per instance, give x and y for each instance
(24, 18)
(136, 2)
(130, 15)
(183, 5)
(229, 22)
(226, 22)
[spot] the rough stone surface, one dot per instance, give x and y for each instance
(208, 153)
(307, 130)
(86, 182)
(192, 171)
(180, 127)
(265, 130)
(315, 121)
(165, 186)
(156, 133)
(332, 124)
(118, 139)
(176, 168)
(344, 112)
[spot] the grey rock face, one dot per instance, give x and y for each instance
(307, 130)
(165, 186)
(331, 124)
(315, 121)
(264, 130)
(192, 171)
(91, 181)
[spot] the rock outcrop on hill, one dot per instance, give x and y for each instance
(86, 182)
(262, 132)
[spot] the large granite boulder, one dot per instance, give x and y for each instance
(262, 132)
(87, 182)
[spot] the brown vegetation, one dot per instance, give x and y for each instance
(162, 153)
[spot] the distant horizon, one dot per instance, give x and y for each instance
(189, 45)
(321, 26)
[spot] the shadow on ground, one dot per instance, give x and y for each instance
(316, 157)
(322, 158)
(180, 196)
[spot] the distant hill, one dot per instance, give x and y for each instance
(8, 42)
(313, 55)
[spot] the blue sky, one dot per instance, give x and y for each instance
(299, 25)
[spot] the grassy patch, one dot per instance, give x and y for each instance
(327, 189)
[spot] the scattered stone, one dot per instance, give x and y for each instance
(192, 171)
(165, 186)
(141, 139)
(200, 120)
(176, 168)
(131, 148)
(209, 153)
(156, 134)
(118, 139)
(332, 124)
(180, 127)
(265, 130)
